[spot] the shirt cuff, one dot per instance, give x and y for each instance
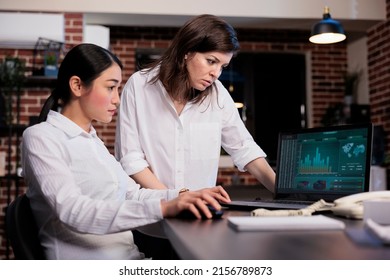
(242, 158)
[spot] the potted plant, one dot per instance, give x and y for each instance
(51, 63)
(12, 76)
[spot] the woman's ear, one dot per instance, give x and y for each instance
(75, 85)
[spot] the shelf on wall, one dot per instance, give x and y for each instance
(11, 177)
(40, 81)
(14, 128)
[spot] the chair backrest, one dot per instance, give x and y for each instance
(22, 231)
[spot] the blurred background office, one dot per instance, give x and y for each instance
(281, 79)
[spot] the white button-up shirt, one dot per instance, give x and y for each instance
(78, 193)
(181, 150)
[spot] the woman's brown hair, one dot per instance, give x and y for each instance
(204, 33)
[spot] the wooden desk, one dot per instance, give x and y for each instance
(214, 239)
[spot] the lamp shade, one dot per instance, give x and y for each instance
(327, 31)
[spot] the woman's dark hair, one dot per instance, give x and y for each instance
(86, 61)
(204, 33)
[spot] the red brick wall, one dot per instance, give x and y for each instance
(378, 45)
(73, 29)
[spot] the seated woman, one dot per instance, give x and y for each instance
(84, 203)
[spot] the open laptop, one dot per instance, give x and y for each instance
(318, 163)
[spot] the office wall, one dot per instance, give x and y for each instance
(378, 45)
(327, 63)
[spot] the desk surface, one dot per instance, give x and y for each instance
(214, 239)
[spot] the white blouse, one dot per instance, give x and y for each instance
(83, 201)
(181, 150)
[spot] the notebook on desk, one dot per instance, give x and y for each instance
(318, 163)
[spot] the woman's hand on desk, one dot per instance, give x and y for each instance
(196, 202)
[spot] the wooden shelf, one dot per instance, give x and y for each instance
(11, 177)
(40, 81)
(14, 128)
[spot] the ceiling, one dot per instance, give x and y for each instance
(355, 15)
(354, 29)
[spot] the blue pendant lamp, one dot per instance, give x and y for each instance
(327, 31)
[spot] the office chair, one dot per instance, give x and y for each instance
(22, 231)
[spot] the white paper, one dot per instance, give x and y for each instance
(317, 222)
(381, 231)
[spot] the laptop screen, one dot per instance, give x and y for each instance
(326, 162)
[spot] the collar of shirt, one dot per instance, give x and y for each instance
(68, 126)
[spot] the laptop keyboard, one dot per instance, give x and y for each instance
(284, 201)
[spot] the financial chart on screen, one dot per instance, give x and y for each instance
(334, 159)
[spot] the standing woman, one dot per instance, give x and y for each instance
(175, 115)
(84, 203)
